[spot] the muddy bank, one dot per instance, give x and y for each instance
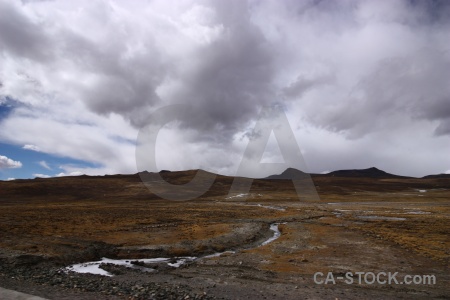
(243, 235)
(111, 267)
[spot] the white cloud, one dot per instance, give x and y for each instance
(44, 164)
(62, 174)
(10, 179)
(31, 147)
(447, 172)
(364, 82)
(104, 141)
(37, 175)
(76, 173)
(7, 163)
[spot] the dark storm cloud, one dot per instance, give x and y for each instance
(124, 62)
(233, 78)
(104, 75)
(120, 72)
(19, 35)
(414, 86)
(297, 88)
(408, 83)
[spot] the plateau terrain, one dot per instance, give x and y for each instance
(264, 244)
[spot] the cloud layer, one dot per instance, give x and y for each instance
(363, 82)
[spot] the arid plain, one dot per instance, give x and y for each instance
(364, 222)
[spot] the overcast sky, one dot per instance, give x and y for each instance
(363, 83)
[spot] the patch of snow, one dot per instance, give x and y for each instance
(237, 196)
(381, 218)
(418, 212)
(218, 254)
(181, 261)
(337, 214)
(93, 267)
(89, 267)
(270, 207)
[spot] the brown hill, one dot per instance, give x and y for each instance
(130, 187)
(289, 173)
(369, 173)
(436, 176)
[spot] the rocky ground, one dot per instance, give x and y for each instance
(365, 225)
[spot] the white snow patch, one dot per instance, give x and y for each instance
(218, 254)
(93, 267)
(418, 212)
(89, 267)
(380, 218)
(237, 196)
(181, 261)
(268, 207)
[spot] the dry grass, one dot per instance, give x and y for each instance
(53, 216)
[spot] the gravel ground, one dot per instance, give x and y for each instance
(49, 281)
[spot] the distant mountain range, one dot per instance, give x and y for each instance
(370, 173)
(436, 176)
(373, 172)
(289, 174)
(292, 173)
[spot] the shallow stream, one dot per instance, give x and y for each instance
(93, 267)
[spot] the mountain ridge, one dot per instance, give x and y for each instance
(372, 172)
(289, 174)
(436, 176)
